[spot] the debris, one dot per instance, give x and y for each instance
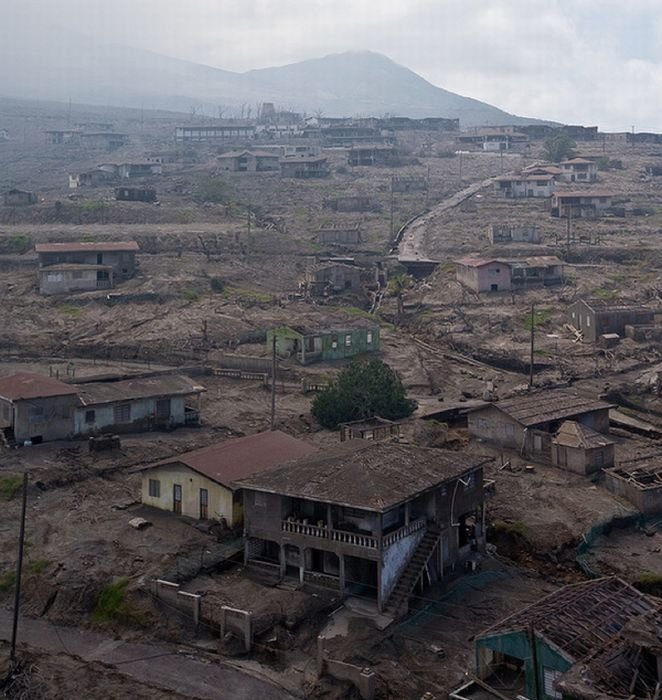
(139, 523)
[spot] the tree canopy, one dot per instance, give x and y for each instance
(558, 148)
(365, 388)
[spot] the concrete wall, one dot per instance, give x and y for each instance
(395, 560)
(581, 461)
(63, 281)
(495, 426)
(49, 418)
(143, 416)
(122, 262)
(219, 498)
(646, 500)
(481, 279)
(171, 594)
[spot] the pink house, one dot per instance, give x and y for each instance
(481, 275)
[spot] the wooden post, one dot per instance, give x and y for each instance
(533, 334)
(273, 382)
(19, 569)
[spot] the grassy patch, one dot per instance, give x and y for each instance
(113, 605)
(604, 293)
(71, 311)
(38, 566)
(540, 318)
(7, 581)
(650, 583)
(94, 205)
(9, 485)
(190, 295)
(502, 527)
(19, 243)
(355, 311)
(243, 293)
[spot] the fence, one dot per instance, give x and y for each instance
(171, 594)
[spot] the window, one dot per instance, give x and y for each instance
(122, 413)
(260, 499)
(204, 504)
(90, 416)
(154, 488)
(510, 429)
(54, 277)
(348, 340)
(481, 424)
(77, 275)
(163, 408)
(334, 341)
(368, 337)
(177, 498)
(5, 411)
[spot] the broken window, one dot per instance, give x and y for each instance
(154, 488)
(260, 499)
(550, 677)
(122, 413)
(90, 416)
(368, 337)
(163, 408)
(348, 340)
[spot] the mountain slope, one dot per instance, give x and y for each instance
(62, 66)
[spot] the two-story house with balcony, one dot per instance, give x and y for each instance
(366, 517)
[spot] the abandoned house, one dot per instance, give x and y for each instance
(84, 266)
(367, 516)
(586, 640)
(340, 234)
(597, 317)
(211, 134)
(528, 423)
(369, 154)
(535, 271)
(19, 198)
(513, 233)
(351, 203)
(483, 275)
(135, 194)
(369, 429)
(519, 186)
(308, 345)
(108, 140)
(581, 205)
(131, 170)
(580, 449)
(249, 162)
(304, 167)
(578, 170)
(90, 178)
(200, 484)
(540, 169)
(60, 136)
(333, 278)
(36, 408)
(640, 482)
(137, 405)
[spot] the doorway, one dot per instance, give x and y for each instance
(177, 499)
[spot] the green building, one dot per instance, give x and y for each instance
(578, 632)
(307, 345)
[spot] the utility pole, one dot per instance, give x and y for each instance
(392, 231)
(533, 335)
(460, 167)
(273, 382)
(19, 569)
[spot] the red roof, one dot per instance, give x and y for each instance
(92, 246)
(238, 458)
(26, 385)
(478, 262)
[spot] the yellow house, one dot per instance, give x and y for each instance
(200, 484)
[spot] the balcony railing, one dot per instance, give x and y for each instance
(355, 539)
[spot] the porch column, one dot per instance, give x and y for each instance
(329, 519)
(378, 531)
(380, 602)
(407, 512)
(341, 573)
(245, 551)
(283, 564)
(302, 563)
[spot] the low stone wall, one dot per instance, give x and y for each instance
(239, 623)
(363, 678)
(171, 594)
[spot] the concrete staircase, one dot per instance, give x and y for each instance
(412, 572)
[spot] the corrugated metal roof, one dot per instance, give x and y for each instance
(365, 474)
(237, 458)
(544, 406)
(573, 434)
(87, 246)
(26, 385)
(142, 388)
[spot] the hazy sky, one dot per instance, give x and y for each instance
(579, 61)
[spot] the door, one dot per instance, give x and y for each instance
(494, 287)
(177, 499)
(204, 504)
(537, 443)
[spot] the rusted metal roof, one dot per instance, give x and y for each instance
(26, 385)
(88, 246)
(545, 406)
(237, 458)
(364, 474)
(580, 618)
(94, 393)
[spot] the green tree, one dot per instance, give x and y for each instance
(214, 189)
(396, 286)
(558, 148)
(365, 388)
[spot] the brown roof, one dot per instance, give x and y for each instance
(544, 406)
(93, 393)
(26, 385)
(583, 193)
(478, 262)
(364, 474)
(237, 458)
(91, 246)
(572, 434)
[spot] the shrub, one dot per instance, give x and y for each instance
(113, 605)
(9, 485)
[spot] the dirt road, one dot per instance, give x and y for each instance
(412, 243)
(163, 666)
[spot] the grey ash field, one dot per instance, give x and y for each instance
(211, 279)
